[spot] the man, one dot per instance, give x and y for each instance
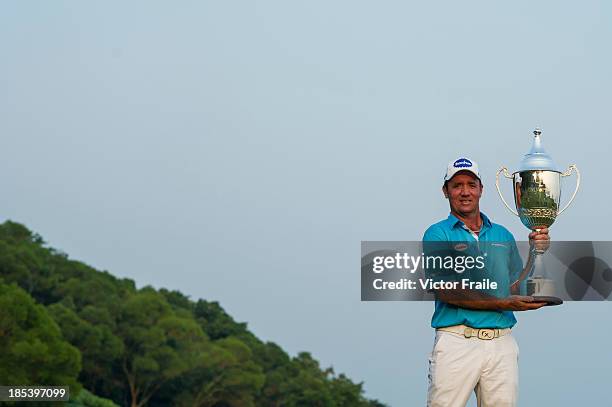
(473, 349)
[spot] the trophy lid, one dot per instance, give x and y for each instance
(537, 158)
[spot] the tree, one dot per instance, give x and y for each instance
(33, 349)
(215, 321)
(87, 399)
(100, 348)
(226, 375)
(158, 345)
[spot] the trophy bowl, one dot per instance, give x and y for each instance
(537, 194)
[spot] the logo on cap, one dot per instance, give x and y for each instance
(462, 163)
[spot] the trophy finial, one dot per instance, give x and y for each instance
(537, 158)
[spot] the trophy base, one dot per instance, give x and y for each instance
(549, 300)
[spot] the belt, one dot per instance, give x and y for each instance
(482, 333)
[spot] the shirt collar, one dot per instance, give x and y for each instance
(454, 221)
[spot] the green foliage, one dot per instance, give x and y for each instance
(159, 345)
(33, 350)
(87, 399)
(226, 374)
(215, 321)
(141, 347)
(92, 334)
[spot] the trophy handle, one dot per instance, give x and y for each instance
(567, 173)
(507, 175)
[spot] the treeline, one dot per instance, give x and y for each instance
(65, 323)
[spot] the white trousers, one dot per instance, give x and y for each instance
(459, 365)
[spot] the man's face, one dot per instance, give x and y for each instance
(463, 192)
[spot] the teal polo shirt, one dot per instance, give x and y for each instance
(503, 259)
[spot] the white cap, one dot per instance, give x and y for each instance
(461, 164)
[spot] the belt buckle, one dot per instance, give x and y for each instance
(486, 334)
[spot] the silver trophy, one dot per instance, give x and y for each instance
(537, 195)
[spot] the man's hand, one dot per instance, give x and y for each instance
(520, 303)
(540, 240)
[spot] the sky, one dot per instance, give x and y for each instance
(240, 151)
